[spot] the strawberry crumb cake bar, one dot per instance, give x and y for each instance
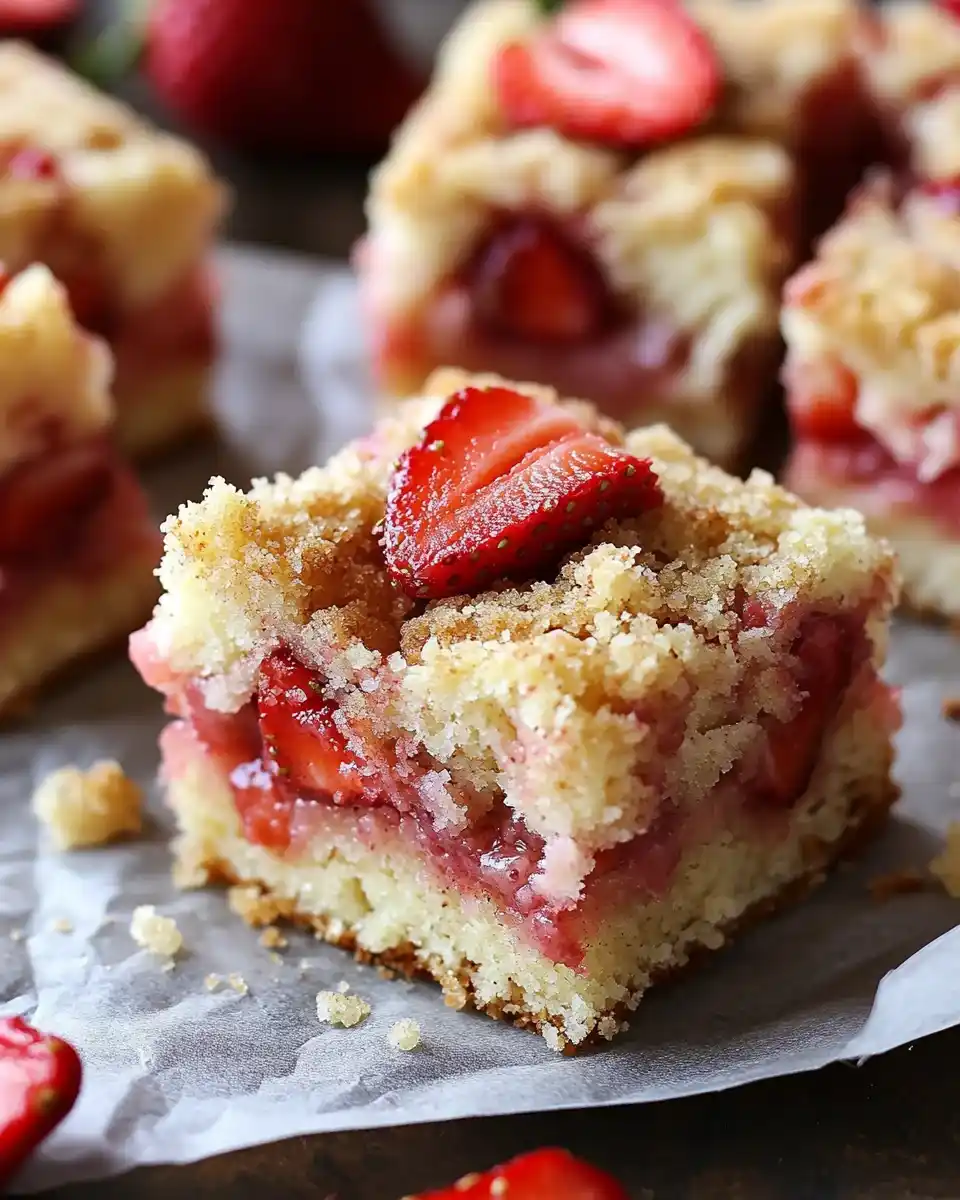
(538, 217)
(502, 696)
(77, 545)
(123, 215)
(873, 384)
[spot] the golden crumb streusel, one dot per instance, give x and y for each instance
(529, 695)
(87, 808)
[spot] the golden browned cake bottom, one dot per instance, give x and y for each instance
(379, 901)
(69, 621)
(155, 415)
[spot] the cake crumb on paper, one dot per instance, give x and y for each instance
(17, 935)
(343, 986)
(337, 1008)
(896, 883)
(951, 708)
(88, 808)
(61, 925)
(946, 866)
(272, 938)
(404, 1034)
(154, 932)
(212, 982)
(238, 983)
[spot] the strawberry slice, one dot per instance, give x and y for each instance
(825, 653)
(951, 7)
(39, 1083)
(303, 744)
(35, 16)
(544, 1173)
(43, 501)
(823, 405)
(620, 72)
(531, 282)
(500, 485)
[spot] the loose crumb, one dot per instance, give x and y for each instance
(154, 932)
(951, 708)
(946, 866)
(385, 972)
(335, 1008)
(88, 808)
(238, 983)
(343, 986)
(213, 983)
(17, 935)
(272, 938)
(405, 1034)
(61, 925)
(896, 883)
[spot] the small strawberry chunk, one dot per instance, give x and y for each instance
(945, 192)
(500, 485)
(544, 1173)
(304, 747)
(823, 403)
(620, 72)
(31, 162)
(22, 17)
(531, 282)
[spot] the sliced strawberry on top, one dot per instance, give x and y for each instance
(303, 745)
(531, 282)
(620, 72)
(541, 1175)
(500, 485)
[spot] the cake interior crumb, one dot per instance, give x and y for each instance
(405, 1034)
(154, 932)
(336, 1008)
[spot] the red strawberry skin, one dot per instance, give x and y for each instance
(499, 486)
(950, 6)
(542, 1175)
(40, 1080)
(620, 72)
(532, 283)
(292, 75)
(21, 18)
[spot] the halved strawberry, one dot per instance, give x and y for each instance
(825, 651)
(621, 72)
(543, 1174)
(823, 404)
(531, 282)
(303, 745)
(43, 501)
(500, 485)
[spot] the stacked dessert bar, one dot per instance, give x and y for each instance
(123, 215)
(606, 198)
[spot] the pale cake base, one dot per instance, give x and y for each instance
(929, 557)
(68, 621)
(155, 414)
(382, 904)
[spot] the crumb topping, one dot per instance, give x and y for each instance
(336, 1008)
(404, 1034)
(144, 201)
(883, 295)
(552, 694)
(918, 48)
(88, 808)
(50, 370)
(933, 132)
(154, 932)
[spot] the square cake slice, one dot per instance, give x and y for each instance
(123, 215)
(77, 544)
(545, 791)
(516, 229)
(872, 374)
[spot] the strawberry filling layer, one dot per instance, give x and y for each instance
(75, 513)
(298, 769)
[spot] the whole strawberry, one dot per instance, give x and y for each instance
(297, 75)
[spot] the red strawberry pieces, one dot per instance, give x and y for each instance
(531, 282)
(950, 6)
(544, 1173)
(23, 17)
(620, 72)
(304, 747)
(500, 485)
(823, 404)
(39, 1084)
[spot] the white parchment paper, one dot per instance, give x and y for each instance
(174, 1073)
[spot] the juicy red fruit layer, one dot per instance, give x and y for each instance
(501, 485)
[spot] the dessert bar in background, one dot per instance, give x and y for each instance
(77, 544)
(534, 219)
(504, 696)
(872, 374)
(124, 216)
